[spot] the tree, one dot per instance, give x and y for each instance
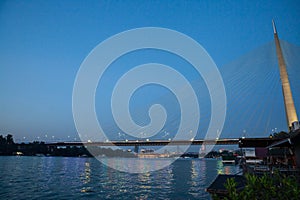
(9, 139)
(2, 140)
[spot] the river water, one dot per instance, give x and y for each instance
(87, 178)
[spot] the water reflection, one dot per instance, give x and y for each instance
(144, 180)
(87, 178)
(195, 172)
(136, 165)
(145, 184)
(227, 168)
(220, 167)
(87, 173)
(198, 179)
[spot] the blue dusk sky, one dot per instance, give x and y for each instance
(43, 43)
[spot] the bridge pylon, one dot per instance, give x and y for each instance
(290, 110)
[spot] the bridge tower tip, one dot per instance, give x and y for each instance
(274, 26)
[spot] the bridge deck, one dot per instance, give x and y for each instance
(149, 143)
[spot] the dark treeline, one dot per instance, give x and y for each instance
(9, 148)
(7, 145)
(6, 140)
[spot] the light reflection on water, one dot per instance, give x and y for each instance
(87, 178)
(134, 165)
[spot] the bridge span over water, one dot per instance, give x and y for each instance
(242, 142)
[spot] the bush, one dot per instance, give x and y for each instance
(275, 186)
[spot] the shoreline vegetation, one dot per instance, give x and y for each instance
(37, 148)
(267, 186)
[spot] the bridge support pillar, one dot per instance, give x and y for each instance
(136, 149)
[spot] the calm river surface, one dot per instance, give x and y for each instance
(87, 178)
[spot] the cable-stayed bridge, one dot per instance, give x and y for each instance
(247, 114)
